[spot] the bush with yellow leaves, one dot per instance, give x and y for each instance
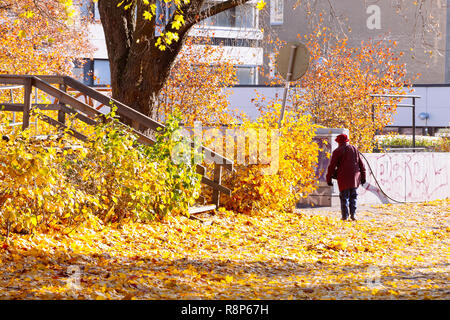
(288, 175)
(138, 181)
(443, 145)
(111, 178)
(33, 189)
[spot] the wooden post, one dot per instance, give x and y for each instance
(61, 113)
(217, 179)
(27, 103)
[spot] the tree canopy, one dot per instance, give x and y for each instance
(40, 37)
(144, 38)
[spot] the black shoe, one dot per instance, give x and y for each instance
(344, 219)
(353, 218)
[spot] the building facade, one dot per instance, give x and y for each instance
(244, 32)
(418, 30)
(237, 30)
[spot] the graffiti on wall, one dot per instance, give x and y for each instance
(406, 177)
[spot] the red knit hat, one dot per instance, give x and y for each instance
(341, 138)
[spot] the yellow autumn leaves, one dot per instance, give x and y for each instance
(338, 87)
(303, 255)
(261, 4)
(197, 86)
(40, 37)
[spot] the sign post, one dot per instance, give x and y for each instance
(292, 64)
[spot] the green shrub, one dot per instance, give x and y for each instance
(138, 181)
(436, 144)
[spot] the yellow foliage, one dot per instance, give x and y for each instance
(34, 187)
(336, 91)
(197, 86)
(304, 255)
(290, 173)
(52, 183)
(39, 37)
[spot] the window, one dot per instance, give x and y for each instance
(85, 9)
(78, 70)
(93, 72)
(276, 12)
(246, 75)
(83, 71)
(245, 16)
(163, 14)
(242, 16)
(88, 8)
(101, 72)
(96, 12)
(272, 65)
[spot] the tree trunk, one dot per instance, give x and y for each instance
(138, 83)
(136, 89)
(139, 69)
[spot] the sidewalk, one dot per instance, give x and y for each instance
(429, 217)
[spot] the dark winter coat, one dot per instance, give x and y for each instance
(350, 169)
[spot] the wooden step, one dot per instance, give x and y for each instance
(65, 103)
(43, 137)
(200, 209)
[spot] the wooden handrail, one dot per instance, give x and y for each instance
(65, 98)
(62, 126)
(86, 113)
(140, 118)
(12, 79)
(122, 109)
(18, 107)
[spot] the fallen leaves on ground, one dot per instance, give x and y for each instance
(392, 252)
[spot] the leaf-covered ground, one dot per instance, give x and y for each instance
(392, 252)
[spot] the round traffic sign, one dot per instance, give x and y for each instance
(299, 60)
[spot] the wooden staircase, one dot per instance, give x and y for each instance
(65, 103)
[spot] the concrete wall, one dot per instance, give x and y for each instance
(418, 176)
(435, 100)
(405, 177)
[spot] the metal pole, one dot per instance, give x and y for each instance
(414, 123)
(373, 126)
(286, 89)
(288, 79)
